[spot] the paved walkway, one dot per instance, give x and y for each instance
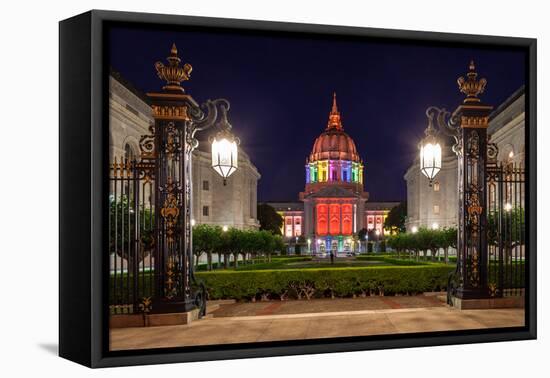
(328, 305)
(267, 321)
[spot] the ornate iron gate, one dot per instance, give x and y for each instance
(131, 236)
(506, 235)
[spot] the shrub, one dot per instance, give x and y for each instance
(390, 260)
(335, 282)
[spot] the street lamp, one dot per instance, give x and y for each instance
(225, 228)
(225, 150)
(309, 246)
(430, 150)
(414, 229)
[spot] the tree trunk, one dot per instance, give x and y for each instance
(225, 261)
(209, 260)
(236, 258)
(446, 255)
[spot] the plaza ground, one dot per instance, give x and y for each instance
(229, 322)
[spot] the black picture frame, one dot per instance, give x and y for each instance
(83, 154)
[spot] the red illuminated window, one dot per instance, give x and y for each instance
(322, 222)
(334, 219)
(347, 219)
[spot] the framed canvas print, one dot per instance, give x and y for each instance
(234, 188)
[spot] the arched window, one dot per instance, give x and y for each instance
(129, 153)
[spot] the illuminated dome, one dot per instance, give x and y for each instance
(334, 143)
(334, 158)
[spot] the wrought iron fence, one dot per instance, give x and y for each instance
(506, 234)
(131, 237)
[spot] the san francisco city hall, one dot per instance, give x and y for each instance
(334, 205)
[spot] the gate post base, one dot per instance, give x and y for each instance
(487, 303)
(167, 306)
(153, 320)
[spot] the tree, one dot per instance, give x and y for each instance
(206, 239)
(449, 240)
(234, 244)
(123, 223)
(415, 243)
(266, 243)
(278, 243)
(226, 247)
(396, 242)
(361, 235)
(427, 240)
(270, 220)
(395, 221)
(248, 241)
(506, 228)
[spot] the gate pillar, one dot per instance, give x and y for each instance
(172, 253)
(473, 117)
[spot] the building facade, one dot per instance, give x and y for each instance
(437, 206)
(333, 206)
(232, 205)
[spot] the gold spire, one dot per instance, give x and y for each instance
(173, 74)
(334, 121)
(470, 86)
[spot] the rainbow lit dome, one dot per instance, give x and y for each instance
(334, 158)
(334, 144)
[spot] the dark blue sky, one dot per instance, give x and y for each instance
(280, 89)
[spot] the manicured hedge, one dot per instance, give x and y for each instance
(390, 260)
(331, 282)
(276, 263)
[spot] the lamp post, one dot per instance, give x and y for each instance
(166, 157)
(467, 125)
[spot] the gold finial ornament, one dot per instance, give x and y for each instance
(173, 74)
(334, 120)
(470, 86)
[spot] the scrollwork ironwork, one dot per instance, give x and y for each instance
(447, 123)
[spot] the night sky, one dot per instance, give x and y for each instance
(280, 89)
